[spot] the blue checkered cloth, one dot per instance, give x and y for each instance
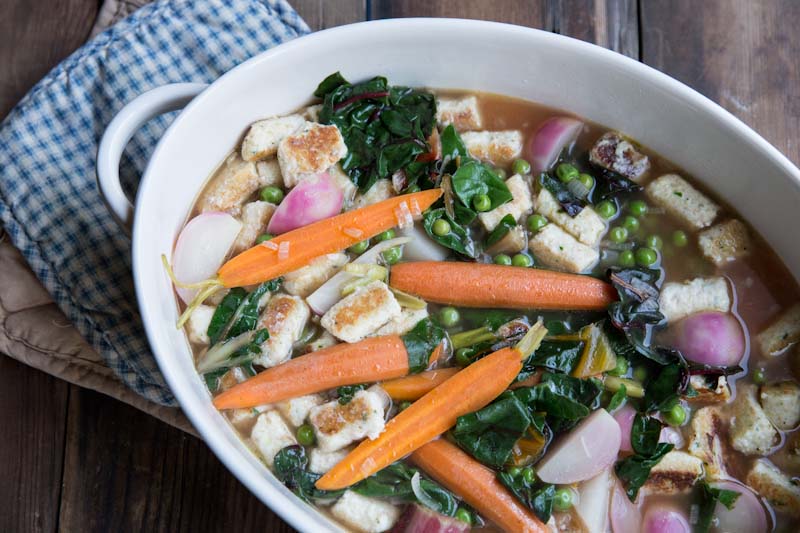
(49, 200)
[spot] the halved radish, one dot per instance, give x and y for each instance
(201, 249)
(710, 338)
(421, 247)
(747, 516)
(551, 138)
(664, 518)
(624, 417)
(591, 447)
(313, 199)
(593, 501)
(625, 515)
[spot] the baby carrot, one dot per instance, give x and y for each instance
(373, 359)
(468, 390)
(475, 484)
(415, 387)
(296, 248)
(483, 285)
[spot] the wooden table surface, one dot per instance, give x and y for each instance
(75, 460)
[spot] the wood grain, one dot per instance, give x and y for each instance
(32, 423)
(321, 14)
(609, 23)
(742, 54)
(526, 13)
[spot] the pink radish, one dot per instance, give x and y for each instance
(748, 514)
(664, 518)
(624, 417)
(201, 249)
(311, 200)
(625, 515)
(593, 500)
(591, 447)
(551, 138)
(419, 519)
(710, 338)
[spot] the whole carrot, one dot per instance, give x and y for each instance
(296, 248)
(471, 389)
(477, 485)
(410, 388)
(483, 285)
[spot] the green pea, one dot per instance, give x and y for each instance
(646, 257)
(631, 224)
(463, 357)
(587, 181)
(566, 172)
(514, 471)
(385, 236)
(271, 194)
(637, 208)
(622, 367)
(404, 405)
(264, 237)
(521, 260)
(676, 416)
(449, 316)
(305, 435)
(520, 166)
(502, 259)
(655, 242)
(680, 239)
(606, 209)
(640, 374)
(393, 255)
(501, 173)
(529, 474)
(464, 516)
(359, 247)
(626, 259)
(481, 202)
(441, 227)
(618, 234)
(562, 500)
(536, 222)
(759, 377)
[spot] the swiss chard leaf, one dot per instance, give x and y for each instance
(665, 386)
(569, 202)
(645, 432)
(611, 184)
(346, 392)
(420, 343)
(458, 239)
(491, 318)
(634, 470)
(560, 356)
(246, 316)
(223, 314)
(618, 398)
(385, 128)
(394, 482)
(452, 145)
(473, 178)
(489, 434)
(500, 231)
(565, 399)
(536, 496)
(291, 469)
(709, 496)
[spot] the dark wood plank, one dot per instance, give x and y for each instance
(126, 471)
(321, 14)
(533, 13)
(609, 23)
(742, 54)
(32, 418)
(36, 35)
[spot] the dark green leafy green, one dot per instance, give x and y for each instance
(458, 239)
(569, 202)
(618, 398)
(489, 434)
(560, 356)
(664, 387)
(708, 498)
(291, 469)
(452, 145)
(645, 432)
(562, 396)
(610, 184)
(536, 495)
(394, 482)
(634, 470)
(346, 392)
(420, 343)
(223, 314)
(246, 316)
(503, 227)
(491, 318)
(474, 178)
(385, 128)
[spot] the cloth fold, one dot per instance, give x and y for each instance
(49, 201)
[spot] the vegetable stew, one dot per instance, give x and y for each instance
(441, 311)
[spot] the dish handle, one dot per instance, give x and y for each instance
(119, 132)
